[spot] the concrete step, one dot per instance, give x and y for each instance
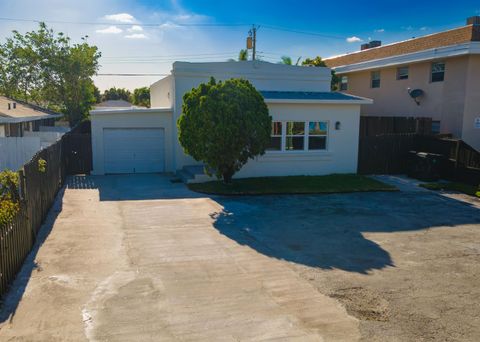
(194, 174)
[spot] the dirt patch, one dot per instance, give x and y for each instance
(363, 303)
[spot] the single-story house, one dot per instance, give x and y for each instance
(17, 117)
(314, 131)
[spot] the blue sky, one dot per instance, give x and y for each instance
(129, 44)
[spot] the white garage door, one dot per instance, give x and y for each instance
(134, 150)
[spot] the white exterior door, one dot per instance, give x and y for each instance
(134, 150)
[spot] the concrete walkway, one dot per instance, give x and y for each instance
(139, 259)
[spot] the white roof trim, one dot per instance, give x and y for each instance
(415, 57)
(8, 120)
(130, 110)
(305, 101)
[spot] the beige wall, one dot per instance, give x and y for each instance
(442, 101)
(470, 134)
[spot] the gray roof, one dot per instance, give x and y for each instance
(308, 95)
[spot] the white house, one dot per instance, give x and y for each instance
(315, 131)
(24, 130)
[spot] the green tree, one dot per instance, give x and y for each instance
(288, 60)
(224, 124)
(117, 94)
(243, 55)
(97, 94)
(46, 69)
(318, 62)
(141, 97)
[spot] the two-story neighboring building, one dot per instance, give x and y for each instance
(435, 76)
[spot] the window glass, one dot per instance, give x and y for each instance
(295, 128)
(294, 143)
(295, 132)
(276, 128)
(402, 73)
(317, 143)
(276, 137)
(317, 128)
(438, 72)
(344, 83)
(317, 135)
(435, 127)
(375, 79)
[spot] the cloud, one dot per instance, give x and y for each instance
(136, 36)
(120, 17)
(110, 30)
(423, 28)
(354, 39)
(135, 28)
(407, 28)
(379, 30)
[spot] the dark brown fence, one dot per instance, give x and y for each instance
(389, 154)
(371, 126)
(385, 154)
(77, 151)
(70, 155)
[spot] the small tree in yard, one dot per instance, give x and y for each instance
(224, 124)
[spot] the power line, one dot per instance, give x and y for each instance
(270, 27)
(131, 75)
(285, 29)
(122, 24)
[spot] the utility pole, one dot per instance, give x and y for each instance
(252, 41)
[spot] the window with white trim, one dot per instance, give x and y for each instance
(402, 73)
(344, 83)
(317, 135)
(295, 136)
(299, 136)
(438, 72)
(375, 79)
(276, 137)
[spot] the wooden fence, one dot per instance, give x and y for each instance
(371, 126)
(70, 155)
(389, 154)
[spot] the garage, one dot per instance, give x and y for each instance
(134, 150)
(131, 140)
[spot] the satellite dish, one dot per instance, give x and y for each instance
(415, 94)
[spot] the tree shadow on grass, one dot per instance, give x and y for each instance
(328, 231)
(11, 299)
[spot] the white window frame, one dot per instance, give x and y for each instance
(284, 147)
(281, 136)
(344, 83)
(326, 135)
(379, 79)
(305, 136)
(399, 74)
(431, 71)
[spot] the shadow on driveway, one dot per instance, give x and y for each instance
(327, 231)
(133, 187)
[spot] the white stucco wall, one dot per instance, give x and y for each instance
(263, 76)
(161, 93)
(342, 145)
(132, 118)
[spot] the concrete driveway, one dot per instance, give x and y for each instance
(137, 258)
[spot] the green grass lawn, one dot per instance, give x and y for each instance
(453, 186)
(336, 183)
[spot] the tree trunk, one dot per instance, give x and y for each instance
(227, 176)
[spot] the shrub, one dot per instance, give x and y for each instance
(224, 124)
(9, 196)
